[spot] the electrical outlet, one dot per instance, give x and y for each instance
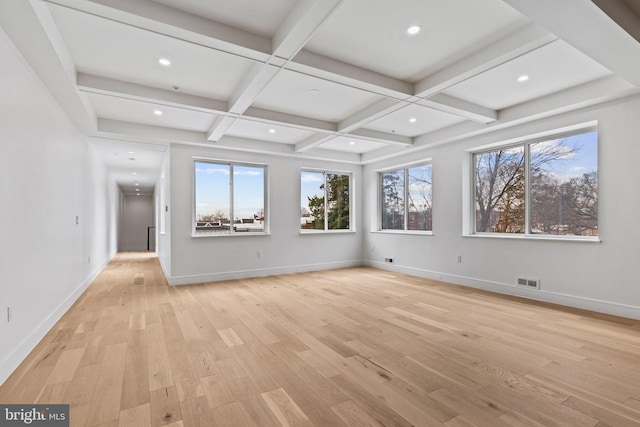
(89, 259)
(77, 220)
(259, 254)
(9, 314)
(459, 259)
(389, 260)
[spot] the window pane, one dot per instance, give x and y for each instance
(564, 186)
(212, 182)
(312, 200)
(248, 198)
(337, 202)
(500, 191)
(392, 200)
(419, 198)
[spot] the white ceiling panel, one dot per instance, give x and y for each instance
(254, 16)
(351, 145)
(549, 69)
(262, 131)
(110, 49)
(116, 108)
(373, 33)
(303, 95)
(413, 120)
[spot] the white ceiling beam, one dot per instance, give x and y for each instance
(300, 25)
(585, 95)
(459, 107)
(147, 133)
(101, 85)
(587, 28)
(105, 86)
(323, 67)
(30, 27)
(374, 135)
(162, 19)
(520, 42)
(290, 120)
(370, 113)
(220, 127)
(297, 29)
(582, 96)
(313, 141)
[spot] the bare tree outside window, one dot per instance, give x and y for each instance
(560, 193)
(406, 199)
(392, 200)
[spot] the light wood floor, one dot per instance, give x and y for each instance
(355, 347)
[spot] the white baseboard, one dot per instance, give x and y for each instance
(245, 274)
(600, 306)
(22, 350)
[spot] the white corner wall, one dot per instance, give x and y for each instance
(285, 250)
(596, 276)
(50, 177)
(163, 214)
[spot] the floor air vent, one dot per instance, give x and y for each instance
(529, 283)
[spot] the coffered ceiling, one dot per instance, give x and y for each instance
(332, 79)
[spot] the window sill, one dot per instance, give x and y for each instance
(310, 232)
(534, 237)
(408, 232)
(237, 234)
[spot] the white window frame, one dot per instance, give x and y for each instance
(469, 226)
(378, 216)
(325, 172)
(232, 232)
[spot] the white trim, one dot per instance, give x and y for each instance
(201, 234)
(11, 362)
(260, 272)
(404, 232)
(584, 303)
(534, 237)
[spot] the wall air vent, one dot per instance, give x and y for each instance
(529, 283)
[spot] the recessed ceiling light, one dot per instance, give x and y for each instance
(413, 30)
(164, 62)
(137, 189)
(523, 78)
(130, 152)
(352, 143)
(413, 120)
(157, 112)
(133, 173)
(272, 130)
(137, 184)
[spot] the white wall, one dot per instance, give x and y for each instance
(598, 276)
(49, 177)
(137, 217)
(163, 214)
(199, 259)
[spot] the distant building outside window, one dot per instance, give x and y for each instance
(229, 198)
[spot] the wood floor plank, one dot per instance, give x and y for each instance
(349, 347)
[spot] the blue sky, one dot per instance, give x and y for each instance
(583, 159)
(310, 183)
(213, 190)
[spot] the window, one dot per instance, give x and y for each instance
(325, 201)
(406, 199)
(547, 187)
(229, 198)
